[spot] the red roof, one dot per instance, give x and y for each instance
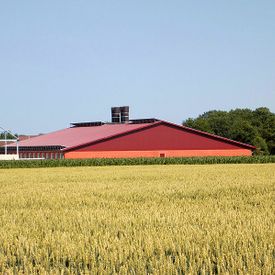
(21, 138)
(74, 137)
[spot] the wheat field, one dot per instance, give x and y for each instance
(210, 219)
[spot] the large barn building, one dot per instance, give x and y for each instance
(124, 138)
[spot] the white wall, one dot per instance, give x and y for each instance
(9, 157)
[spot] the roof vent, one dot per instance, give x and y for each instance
(115, 114)
(87, 124)
(143, 120)
(120, 114)
(124, 114)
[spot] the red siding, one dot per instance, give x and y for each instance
(161, 137)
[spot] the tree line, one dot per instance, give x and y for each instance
(8, 136)
(255, 127)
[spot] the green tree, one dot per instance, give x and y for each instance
(254, 127)
(8, 136)
(262, 148)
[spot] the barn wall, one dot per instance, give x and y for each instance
(161, 137)
(162, 153)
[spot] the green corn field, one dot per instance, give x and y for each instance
(133, 161)
(161, 219)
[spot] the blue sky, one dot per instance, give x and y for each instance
(66, 61)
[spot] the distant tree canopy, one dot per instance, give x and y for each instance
(254, 127)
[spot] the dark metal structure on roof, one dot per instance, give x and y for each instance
(115, 114)
(124, 114)
(120, 114)
(87, 124)
(143, 120)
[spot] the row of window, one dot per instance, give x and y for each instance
(41, 155)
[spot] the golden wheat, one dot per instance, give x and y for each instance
(215, 219)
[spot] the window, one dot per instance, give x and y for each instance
(162, 155)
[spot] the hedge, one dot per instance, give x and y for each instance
(132, 161)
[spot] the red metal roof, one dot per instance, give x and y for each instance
(75, 137)
(21, 138)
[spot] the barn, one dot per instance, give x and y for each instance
(128, 138)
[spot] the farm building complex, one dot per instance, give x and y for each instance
(126, 138)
